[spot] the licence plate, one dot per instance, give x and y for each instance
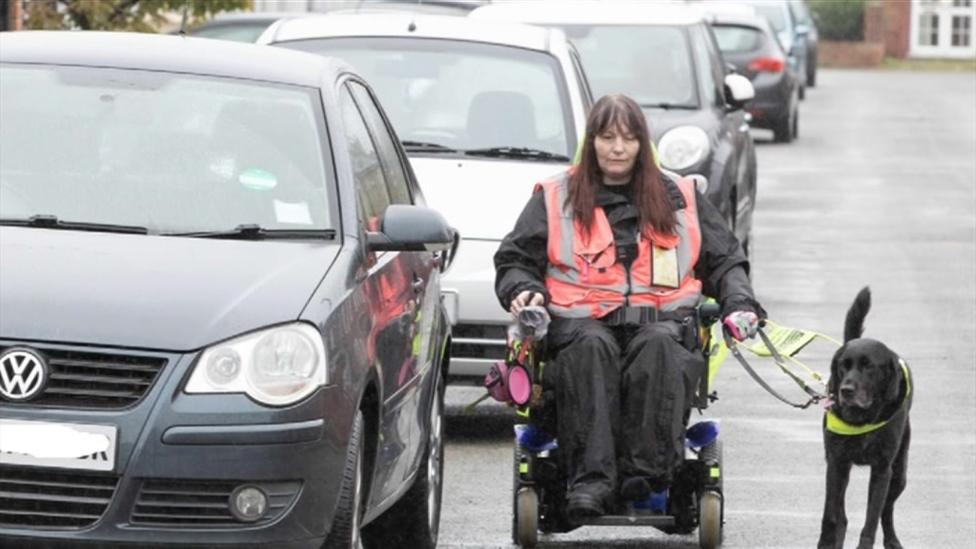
(65, 445)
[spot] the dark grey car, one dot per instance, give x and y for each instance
(749, 43)
(220, 317)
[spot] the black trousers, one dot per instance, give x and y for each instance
(622, 399)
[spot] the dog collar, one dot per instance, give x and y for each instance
(838, 426)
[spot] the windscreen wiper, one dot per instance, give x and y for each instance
(252, 231)
(667, 106)
(423, 146)
(45, 221)
(517, 152)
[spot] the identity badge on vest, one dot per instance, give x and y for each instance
(665, 268)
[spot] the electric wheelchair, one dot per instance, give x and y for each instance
(693, 500)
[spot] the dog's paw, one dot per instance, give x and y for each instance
(892, 544)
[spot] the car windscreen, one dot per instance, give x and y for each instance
(169, 152)
(737, 39)
(652, 64)
(461, 95)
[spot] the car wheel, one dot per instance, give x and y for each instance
(783, 128)
(803, 91)
(345, 533)
(414, 521)
(812, 72)
(796, 126)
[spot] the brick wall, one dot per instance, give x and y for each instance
(849, 54)
(888, 22)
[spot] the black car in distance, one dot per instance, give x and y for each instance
(749, 43)
(220, 316)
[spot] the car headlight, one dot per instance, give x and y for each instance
(682, 147)
(276, 366)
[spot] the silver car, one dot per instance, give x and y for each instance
(484, 110)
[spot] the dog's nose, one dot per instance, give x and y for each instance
(847, 392)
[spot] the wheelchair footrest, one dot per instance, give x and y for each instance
(656, 521)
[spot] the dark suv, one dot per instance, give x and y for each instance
(220, 316)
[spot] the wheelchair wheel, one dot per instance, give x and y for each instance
(527, 517)
(710, 520)
(515, 491)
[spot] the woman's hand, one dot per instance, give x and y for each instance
(741, 324)
(525, 299)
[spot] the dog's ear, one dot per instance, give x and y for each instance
(834, 381)
(893, 377)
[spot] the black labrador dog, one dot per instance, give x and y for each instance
(867, 424)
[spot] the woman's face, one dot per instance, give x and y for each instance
(616, 151)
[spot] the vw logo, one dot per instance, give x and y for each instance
(23, 374)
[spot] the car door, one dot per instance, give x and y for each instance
(391, 304)
(414, 374)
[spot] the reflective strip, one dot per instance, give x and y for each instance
(578, 311)
(714, 472)
(524, 468)
(565, 276)
(560, 249)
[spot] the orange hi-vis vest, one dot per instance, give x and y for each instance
(584, 279)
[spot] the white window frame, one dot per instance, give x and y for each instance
(946, 10)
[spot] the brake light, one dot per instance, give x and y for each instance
(767, 64)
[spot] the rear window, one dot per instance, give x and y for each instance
(734, 39)
(775, 14)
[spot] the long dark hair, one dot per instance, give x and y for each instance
(650, 195)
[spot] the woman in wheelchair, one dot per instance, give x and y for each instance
(621, 254)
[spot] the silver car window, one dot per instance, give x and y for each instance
(396, 178)
(461, 95)
(652, 64)
(170, 152)
(371, 188)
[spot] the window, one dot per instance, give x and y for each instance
(737, 39)
(650, 63)
(396, 178)
(928, 29)
(961, 30)
(171, 152)
(461, 94)
(710, 74)
(962, 3)
(367, 172)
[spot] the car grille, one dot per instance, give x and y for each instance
(203, 503)
(84, 379)
(478, 341)
(42, 498)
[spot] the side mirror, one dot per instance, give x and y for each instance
(738, 90)
(408, 228)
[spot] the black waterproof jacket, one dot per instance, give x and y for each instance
(521, 259)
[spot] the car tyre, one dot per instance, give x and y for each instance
(345, 531)
(783, 128)
(414, 521)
